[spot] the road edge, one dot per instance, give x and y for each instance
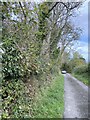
(79, 82)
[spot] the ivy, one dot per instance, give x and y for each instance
(10, 59)
(25, 27)
(16, 102)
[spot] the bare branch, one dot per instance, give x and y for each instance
(22, 10)
(53, 7)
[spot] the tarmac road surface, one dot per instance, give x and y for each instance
(76, 98)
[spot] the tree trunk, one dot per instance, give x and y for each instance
(45, 50)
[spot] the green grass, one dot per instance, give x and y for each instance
(50, 102)
(82, 77)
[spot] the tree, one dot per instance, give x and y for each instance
(77, 60)
(31, 33)
(56, 27)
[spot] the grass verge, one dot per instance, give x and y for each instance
(50, 101)
(83, 78)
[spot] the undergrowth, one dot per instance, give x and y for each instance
(50, 101)
(83, 78)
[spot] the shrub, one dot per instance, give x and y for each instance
(81, 69)
(15, 100)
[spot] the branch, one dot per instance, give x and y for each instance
(64, 5)
(22, 10)
(75, 6)
(67, 7)
(53, 7)
(56, 5)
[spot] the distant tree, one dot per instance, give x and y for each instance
(67, 67)
(77, 60)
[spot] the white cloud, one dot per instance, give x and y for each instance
(82, 48)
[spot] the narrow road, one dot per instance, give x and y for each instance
(76, 98)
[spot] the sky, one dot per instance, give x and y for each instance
(81, 20)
